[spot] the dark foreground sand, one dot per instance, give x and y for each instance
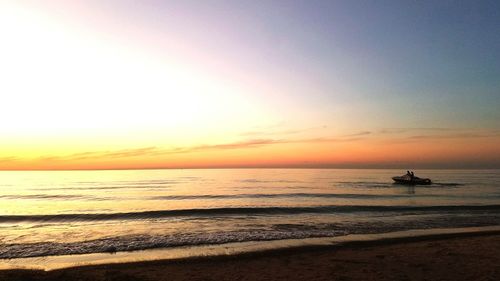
(471, 257)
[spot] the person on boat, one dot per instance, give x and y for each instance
(412, 176)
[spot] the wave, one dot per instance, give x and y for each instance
(241, 211)
(49, 196)
(269, 181)
(109, 187)
(447, 184)
(298, 195)
(272, 195)
(136, 242)
(163, 185)
(367, 184)
(238, 196)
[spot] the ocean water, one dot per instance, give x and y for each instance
(79, 212)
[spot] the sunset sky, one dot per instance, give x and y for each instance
(181, 84)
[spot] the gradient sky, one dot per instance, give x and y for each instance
(150, 84)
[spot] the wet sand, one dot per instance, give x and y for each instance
(458, 257)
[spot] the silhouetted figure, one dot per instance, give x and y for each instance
(412, 176)
(408, 173)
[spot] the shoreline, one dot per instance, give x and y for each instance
(242, 249)
(469, 255)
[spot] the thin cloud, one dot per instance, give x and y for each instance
(262, 142)
(236, 145)
(152, 150)
(281, 132)
(363, 133)
(250, 143)
(441, 133)
(264, 133)
(457, 136)
(451, 134)
(155, 151)
(8, 159)
(407, 130)
(123, 153)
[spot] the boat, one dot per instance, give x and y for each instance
(407, 179)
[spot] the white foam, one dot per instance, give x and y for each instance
(58, 262)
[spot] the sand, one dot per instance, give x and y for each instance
(471, 257)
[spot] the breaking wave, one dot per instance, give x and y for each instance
(240, 211)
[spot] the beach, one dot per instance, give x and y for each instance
(473, 256)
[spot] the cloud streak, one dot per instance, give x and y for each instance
(429, 134)
(156, 151)
(8, 159)
(457, 136)
(438, 133)
(410, 130)
(278, 133)
(363, 133)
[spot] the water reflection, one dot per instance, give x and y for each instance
(128, 207)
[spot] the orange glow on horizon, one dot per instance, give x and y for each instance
(373, 152)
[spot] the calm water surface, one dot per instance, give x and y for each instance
(75, 212)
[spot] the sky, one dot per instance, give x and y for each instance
(219, 84)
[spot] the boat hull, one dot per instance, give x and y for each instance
(409, 181)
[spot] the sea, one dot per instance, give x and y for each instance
(54, 213)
